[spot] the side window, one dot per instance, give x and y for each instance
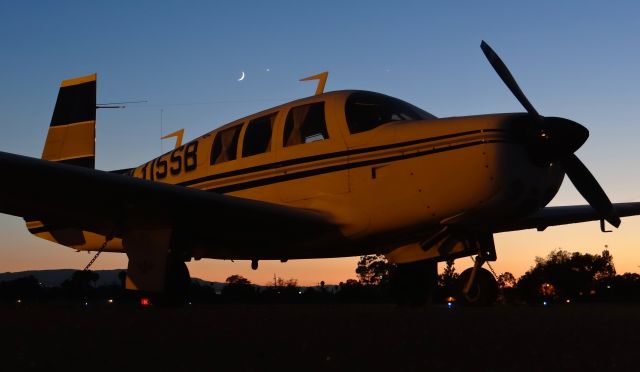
(305, 124)
(257, 136)
(225, 145)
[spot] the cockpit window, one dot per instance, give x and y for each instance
(366, 110)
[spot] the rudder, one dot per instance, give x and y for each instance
(72, 132)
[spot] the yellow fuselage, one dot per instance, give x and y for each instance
(386, 188)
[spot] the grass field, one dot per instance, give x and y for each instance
(321, 337)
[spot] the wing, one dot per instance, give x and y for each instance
(564, 215)
(108, 203)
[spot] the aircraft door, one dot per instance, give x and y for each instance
(256, 159)
(311, 155)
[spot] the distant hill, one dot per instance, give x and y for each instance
(54, 278)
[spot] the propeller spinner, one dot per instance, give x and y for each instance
(556, 139)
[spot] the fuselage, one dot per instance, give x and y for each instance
(386, 172)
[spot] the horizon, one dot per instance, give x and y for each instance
(458, 270)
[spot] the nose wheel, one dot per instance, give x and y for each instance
(477, 286)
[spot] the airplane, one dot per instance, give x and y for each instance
(337, 174)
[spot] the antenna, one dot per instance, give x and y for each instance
(161, 130)
(322, 80)
(117, 105)
(178, 134)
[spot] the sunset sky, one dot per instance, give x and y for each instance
(573, 59)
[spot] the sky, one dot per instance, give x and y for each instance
(573, 59)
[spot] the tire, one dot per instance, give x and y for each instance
(483, 291)
(176, 285)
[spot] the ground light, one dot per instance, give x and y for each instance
(450, 301)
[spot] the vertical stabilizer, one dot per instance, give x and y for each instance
(72, 132)
(71, 140)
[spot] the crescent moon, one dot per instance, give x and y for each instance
(241, 77)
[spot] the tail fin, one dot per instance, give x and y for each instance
(72, 132)
(71, 140)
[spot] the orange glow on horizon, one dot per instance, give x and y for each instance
(516, 254)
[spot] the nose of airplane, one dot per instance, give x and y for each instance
(549, 139)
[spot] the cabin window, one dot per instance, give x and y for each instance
(225, 145)
(366, 111)
(257, 136)
(305, 124)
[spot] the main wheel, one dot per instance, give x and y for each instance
(483, 291)
(414, 283)
(176, 284)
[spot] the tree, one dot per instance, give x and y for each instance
(237, 280)
(287, 288)
(350, 290)
(571, 275)
(449, 276)
(374, 270)
(506, 280)
(625, 287)
(26, 287)
(238, 288)
(81, 282)
(507, 285)
(283, 283)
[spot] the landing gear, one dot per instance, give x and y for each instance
(177, 283)
(479, 291)
(157, 267)
(477, 286)
(414, 283)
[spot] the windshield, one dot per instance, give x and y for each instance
(367, 110)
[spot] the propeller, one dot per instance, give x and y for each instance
(556, 139)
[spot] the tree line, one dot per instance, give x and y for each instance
(561, 277)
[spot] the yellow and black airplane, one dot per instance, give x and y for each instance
(337, 174)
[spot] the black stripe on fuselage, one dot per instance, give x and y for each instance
(75, 103)
(332, 155)
(125, 171)
(337, 168)
(38, 230)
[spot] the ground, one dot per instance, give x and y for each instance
(321, 337)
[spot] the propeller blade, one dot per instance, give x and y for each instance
(589, 188)
(502, 71)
